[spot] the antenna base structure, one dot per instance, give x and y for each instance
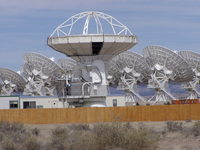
(159, 81)
(193, 59)
(127, 70)
(128, 82)
(166, 66)
(191, 87)
(92, 46)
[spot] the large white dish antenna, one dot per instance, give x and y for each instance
(35, 63)
(11, 82)
(171, 61)
(67, 64)
(41, 74)
(127, 70)
(100, 41)
(193, 59)
(166, 66)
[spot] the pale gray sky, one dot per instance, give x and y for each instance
(26, 24)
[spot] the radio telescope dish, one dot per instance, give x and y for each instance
(127, 70)
(40, 73)
(11, 82)
(193, 59)
(92, 39)
(87, 42)
(166, 66)
(67, 64)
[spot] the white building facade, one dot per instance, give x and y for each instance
(17, 102)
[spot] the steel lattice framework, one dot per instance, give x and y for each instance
(67, 64)
(40, 73)
(66, 27)
(127, 70)
(193, 59)
(11, 82)
(166, 66)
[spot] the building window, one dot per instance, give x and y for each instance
(114, 102)
(39, 106)
(29, 104)
(14, 104)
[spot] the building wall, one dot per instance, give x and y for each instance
(44, 102)
(5, 101)
(120, 100)
(50, 102)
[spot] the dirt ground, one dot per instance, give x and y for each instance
(177, 140)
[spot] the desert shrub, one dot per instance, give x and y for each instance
(1, 137)
(139, 139)
(118, 136)
(11, 127)
(35, 131)
(84, 140)
(59, 133)
(32, 144)
(7, 144)
(58, 140)
(174, 126)
(196, 129)
(115, 136)
(109, 135)
(12, 135)
(127, 125)
(188, 120)
(80, 127)
(14, 132)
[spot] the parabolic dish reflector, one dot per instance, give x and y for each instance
(128, 69)
(35, 63)
(7, 75)
(192, 58)
(92, 36)
(67, 64)
(129, 61)
(160, 57)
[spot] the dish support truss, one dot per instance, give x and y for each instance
(40, 73)
(66, 27)
(10, 82)
(128, 82)
(159, 81)
(193, 85)
(7, 88)
(123, 75)
(38, 85)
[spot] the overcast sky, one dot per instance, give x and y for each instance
(26, 24)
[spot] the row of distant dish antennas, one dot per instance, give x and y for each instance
(157, 67)
(37, 78)
(41, 76)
